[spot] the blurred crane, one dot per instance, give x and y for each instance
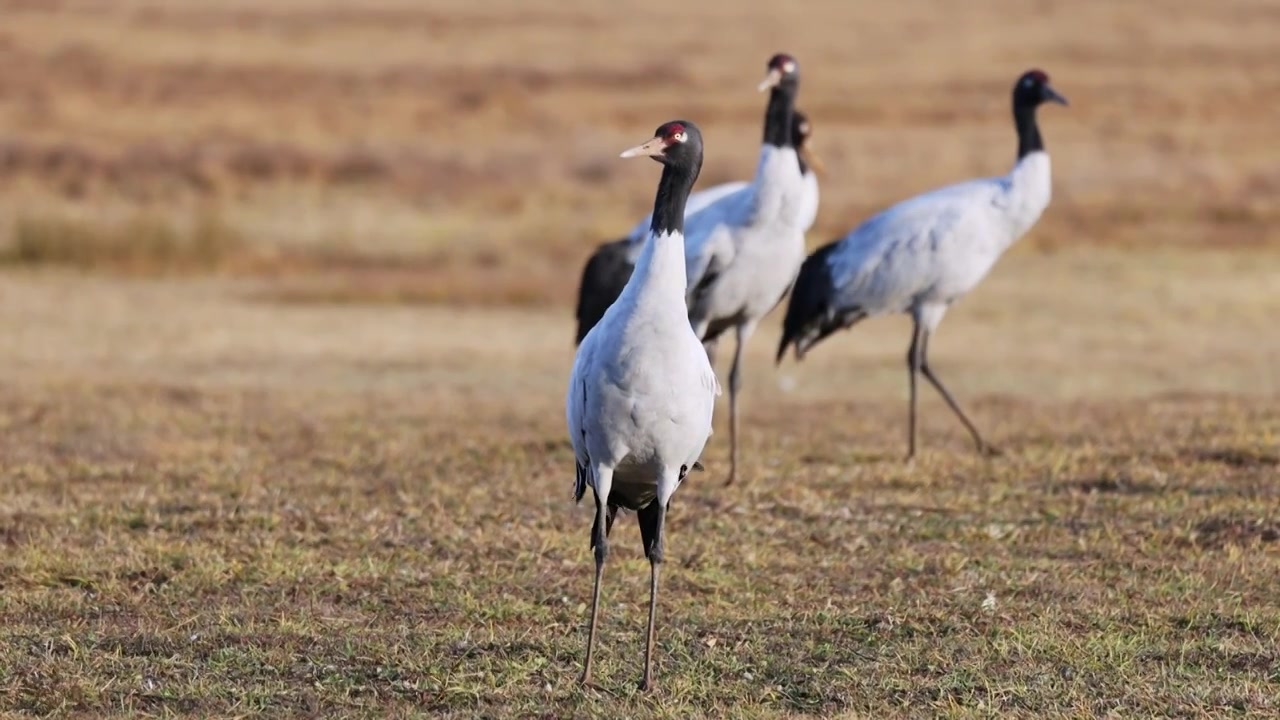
(742, 252)
(923, 254)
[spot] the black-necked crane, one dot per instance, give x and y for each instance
(923, 254)
(742, 252)
(642, 391)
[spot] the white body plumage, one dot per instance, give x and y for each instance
(926, 252)
(743, 251)
(809, 200)
(642, 392)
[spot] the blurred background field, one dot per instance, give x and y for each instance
(466, 152)
(285, 320)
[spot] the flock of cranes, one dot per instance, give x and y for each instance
(653, 305)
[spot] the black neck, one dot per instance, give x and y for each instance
(1024, 119)
(673, 192)
(803, 167)
(778, 115)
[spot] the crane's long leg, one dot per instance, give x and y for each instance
(600, 543)
(652, 520)
(915, 359)
(735, 384)
(983, 446)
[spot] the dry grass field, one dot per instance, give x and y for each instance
(285, 325)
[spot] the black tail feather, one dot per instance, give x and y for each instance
(810, 299)
(579, 482)
(603, 278)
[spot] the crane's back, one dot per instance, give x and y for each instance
(935, 247)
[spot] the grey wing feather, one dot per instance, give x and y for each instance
(709, 241)
(576, 411)
(894, 254)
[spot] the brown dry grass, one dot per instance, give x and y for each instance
(476, 142)
(142, 243)
(217, 504)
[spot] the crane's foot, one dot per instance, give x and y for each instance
(648, 685)
(585, 681)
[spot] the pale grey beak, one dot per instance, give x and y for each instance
(771, 80)
(653, 148)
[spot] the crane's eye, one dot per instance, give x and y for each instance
(680, 136)
(789, 67)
